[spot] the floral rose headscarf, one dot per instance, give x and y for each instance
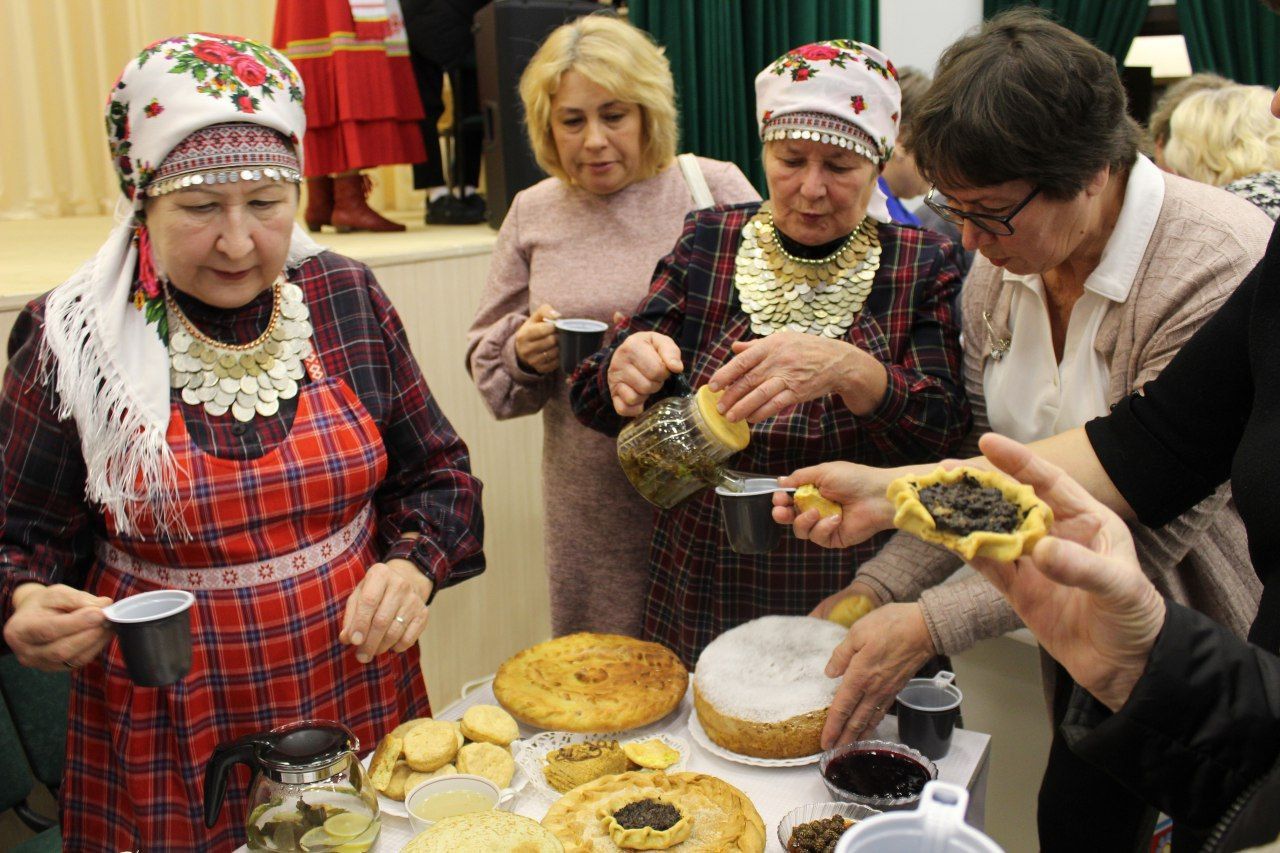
(109, 369)
(841, 92)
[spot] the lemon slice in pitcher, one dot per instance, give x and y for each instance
(346, 825)
(318, 839)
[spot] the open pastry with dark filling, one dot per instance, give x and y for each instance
(973, 512)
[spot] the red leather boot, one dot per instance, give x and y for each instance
(319, 202)
(351, 211)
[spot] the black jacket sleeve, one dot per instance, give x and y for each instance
(1201, 726)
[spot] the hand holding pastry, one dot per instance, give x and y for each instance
(1081, 590)
(858, 489)
(639, 367)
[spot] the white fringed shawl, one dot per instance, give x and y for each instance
(111, 373)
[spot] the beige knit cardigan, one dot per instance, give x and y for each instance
(1205, 241)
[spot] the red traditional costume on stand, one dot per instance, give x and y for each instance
(362, 99)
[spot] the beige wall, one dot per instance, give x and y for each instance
(478, 624)
(58, 59)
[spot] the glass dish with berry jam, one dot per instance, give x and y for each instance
(876, 773)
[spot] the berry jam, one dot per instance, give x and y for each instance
(877, 773)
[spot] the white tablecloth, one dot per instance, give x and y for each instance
(774, 790)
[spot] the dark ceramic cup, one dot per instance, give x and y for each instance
(927, 712)
(578, 339)
(154, 629)
(748, 515)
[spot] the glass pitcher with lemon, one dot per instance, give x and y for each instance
(309, 793)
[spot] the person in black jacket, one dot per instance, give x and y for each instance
(441, 43)
(1169, 701)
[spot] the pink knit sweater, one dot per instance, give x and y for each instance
(586, 256)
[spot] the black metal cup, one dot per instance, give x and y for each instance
(578, 339)
(748, 516)
(928, 709)
(154, 629)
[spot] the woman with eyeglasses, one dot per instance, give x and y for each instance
(1093, 269)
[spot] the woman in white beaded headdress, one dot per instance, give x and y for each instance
(213, 403)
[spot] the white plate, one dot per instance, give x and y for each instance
(386, 805)
(530, 753)
(701, 739)
(396, 808)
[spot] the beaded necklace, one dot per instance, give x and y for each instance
(245, 379)
(816, 296)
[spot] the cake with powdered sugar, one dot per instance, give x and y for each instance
(760, 690)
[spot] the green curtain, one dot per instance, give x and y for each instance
(717, 47)
(1239, 39)
(1110, 24)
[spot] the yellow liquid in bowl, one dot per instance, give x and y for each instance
(450, 803)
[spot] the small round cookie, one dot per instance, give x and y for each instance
(430, 745)
(489, 724)
(415, 778)
(396, 787)
(488, 760)
(403, 729)
(457, 729)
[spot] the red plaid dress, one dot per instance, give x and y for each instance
(698, 586)
(263, 655)
(368, 433)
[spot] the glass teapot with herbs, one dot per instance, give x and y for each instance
(679, 445)
(309, 792)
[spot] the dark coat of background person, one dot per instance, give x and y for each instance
(440, 43)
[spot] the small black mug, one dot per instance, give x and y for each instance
(927, 712)
(154, 629)
(578, 339)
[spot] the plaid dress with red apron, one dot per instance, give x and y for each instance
(278, 544)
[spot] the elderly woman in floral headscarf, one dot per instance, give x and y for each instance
(213, 403)
(839, 321)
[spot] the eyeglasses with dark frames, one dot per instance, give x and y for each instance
(1001, 226)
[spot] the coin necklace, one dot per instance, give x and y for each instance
(244, 379)
(818, 297)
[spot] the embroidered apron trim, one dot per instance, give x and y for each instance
(354, 534)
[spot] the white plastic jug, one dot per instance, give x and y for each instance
(935, 826)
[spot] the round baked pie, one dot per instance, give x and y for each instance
(489, 831)
(591, 683)
(717, 815)
(760, 689)
(973, 512)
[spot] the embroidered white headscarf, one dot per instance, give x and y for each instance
(843, 93)
(109, 367)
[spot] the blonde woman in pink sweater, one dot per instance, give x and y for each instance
(600, 108)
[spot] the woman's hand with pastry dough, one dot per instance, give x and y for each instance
(639, 367)
(860, 491)
(769, 375)
(387, 611)
(1081, 591)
